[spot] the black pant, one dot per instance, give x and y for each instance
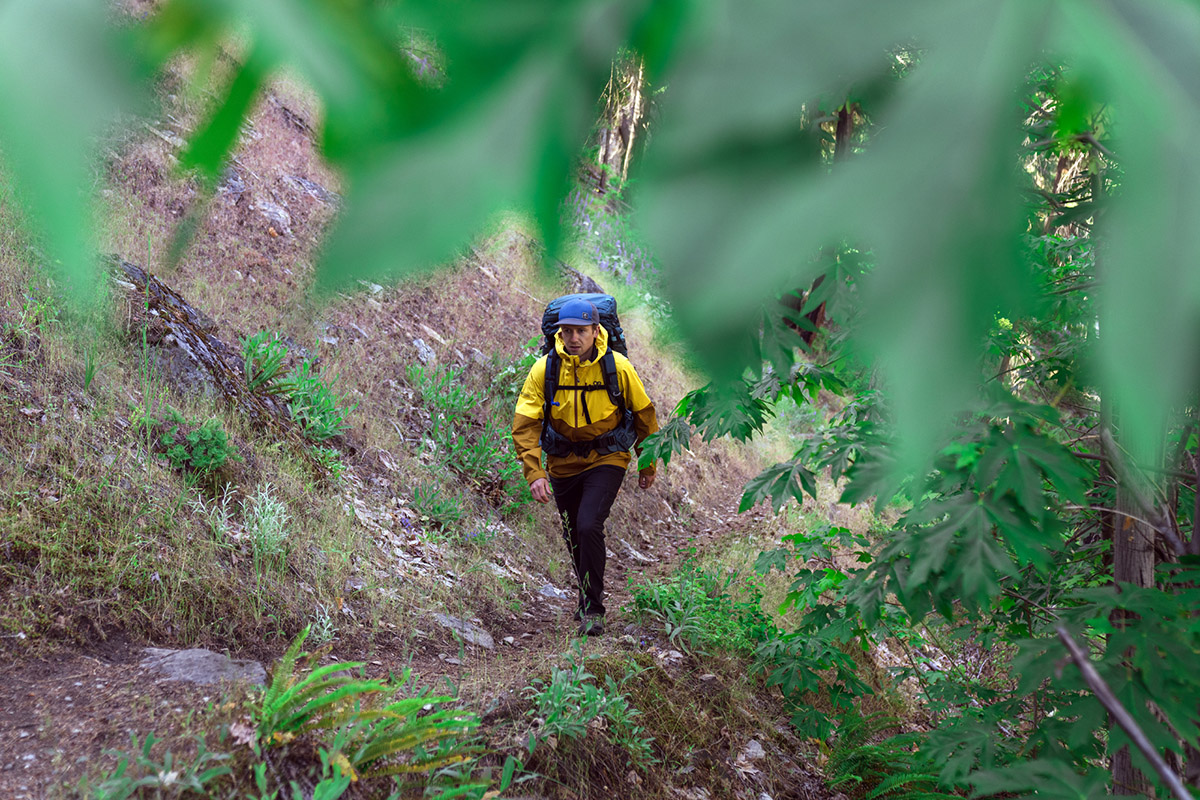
(585, 500)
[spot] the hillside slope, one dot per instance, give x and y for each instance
(408, 517)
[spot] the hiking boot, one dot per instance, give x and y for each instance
(591, 625)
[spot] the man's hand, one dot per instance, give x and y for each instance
(540, 489)
(646, 480)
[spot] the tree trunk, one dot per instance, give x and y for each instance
(842, 133)
(623, 116)
(1133, 562)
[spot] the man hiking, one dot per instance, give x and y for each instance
(585, 414)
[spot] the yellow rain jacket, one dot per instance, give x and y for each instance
(569, 417)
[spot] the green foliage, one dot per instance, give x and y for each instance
(863, 768)
(699, 613)
(263, 355)
(314, 405)
(570, 701)
(805, 664)
(71, 51)
(203, 450)
(139, 771)
(388, 126)
(91, 366)
(330, 460)
(436, 506)
(778, 484)
(367, 728)
(510, 378)
(673, 437)
(470, 436)
(199, 450)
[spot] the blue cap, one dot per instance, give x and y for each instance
(578, 312)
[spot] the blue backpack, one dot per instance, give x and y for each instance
(621, 438)
(606, 306)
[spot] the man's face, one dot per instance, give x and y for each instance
(578, 339)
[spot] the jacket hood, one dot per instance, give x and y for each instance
(601, 346)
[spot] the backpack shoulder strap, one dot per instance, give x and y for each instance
(608, 364)
(551, 385)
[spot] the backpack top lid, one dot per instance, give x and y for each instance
(605, 304)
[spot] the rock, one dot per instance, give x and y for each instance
(553, 592)
(231, 186)
(184, 373)
(636, 556)
(577, 281)
(274, 213)
(424, 352)
(437, 337)
(201, 666)
(754, 751)
(471, 634)
(314, 190)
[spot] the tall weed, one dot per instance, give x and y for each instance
(699, 613)
(571, 701)
(314, 405)
(266, 520)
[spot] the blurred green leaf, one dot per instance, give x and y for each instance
(935, 196)
(64, 74)
(209, 148)
(1152, 244)
(419, 198)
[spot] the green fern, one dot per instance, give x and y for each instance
(411, 735)
(884, 770)
(916, 785)
(293, 705)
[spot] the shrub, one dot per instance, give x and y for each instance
(199, 450)
(698, 612)
(570, 700)
(263, 355)
(266, 520)
(314, 405)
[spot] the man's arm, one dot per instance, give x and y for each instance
(645, 421)
(527, 431)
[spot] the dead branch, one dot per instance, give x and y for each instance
(1121, 715)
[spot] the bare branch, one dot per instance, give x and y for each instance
(1121, 715)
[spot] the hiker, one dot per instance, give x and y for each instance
(597, 410)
